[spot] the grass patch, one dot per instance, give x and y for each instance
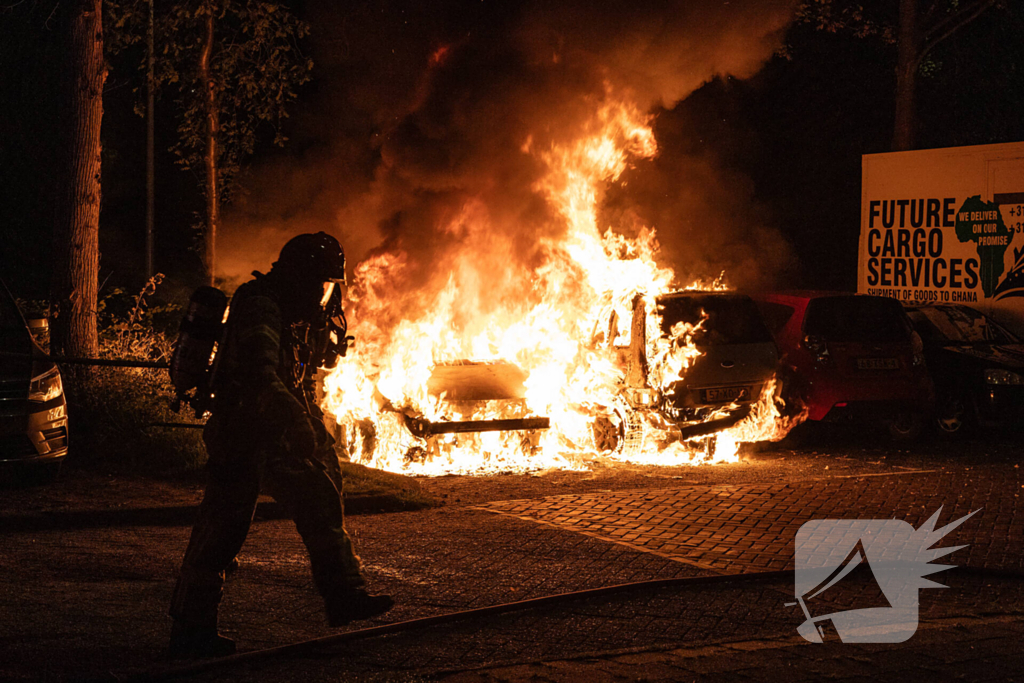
(370, 490)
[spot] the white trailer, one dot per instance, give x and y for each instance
(945, 226)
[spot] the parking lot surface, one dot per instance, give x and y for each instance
(89, 566)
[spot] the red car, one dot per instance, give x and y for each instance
(851, 357)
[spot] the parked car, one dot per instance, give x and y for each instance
(33, 411)
(851, 357)
(977, 366)
(737, 358)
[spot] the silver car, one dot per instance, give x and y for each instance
(33, 410)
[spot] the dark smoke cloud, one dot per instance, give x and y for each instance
(419, 113)
(708, 219)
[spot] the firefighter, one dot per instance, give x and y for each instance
(265, 428)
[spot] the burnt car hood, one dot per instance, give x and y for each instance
(1009, 356)
(466, 380)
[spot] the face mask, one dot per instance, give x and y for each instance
(330, 286)
(328, 332)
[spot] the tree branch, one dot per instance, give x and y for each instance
(948, 26)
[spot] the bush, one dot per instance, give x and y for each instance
(114, 413)
(115, 416)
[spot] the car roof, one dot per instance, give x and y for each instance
(801, 295)
(688, 293)
(917, 307)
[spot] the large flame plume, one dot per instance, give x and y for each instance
(546, 318)
(490, 168)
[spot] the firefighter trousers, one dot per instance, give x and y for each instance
(308, 495)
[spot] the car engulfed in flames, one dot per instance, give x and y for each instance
(698, 372)
(684, 379)
(468, 388)
(585, 349)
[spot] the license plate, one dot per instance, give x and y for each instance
(726, 394)
(878, 364)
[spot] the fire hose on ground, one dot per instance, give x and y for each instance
(316, 644)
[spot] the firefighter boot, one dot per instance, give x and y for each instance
(189, 641)
(354, 604)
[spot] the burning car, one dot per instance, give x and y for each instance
(978, 367)
(662, 385)
(650, 379)
(698, 370)
(470, 404)
(474, 389)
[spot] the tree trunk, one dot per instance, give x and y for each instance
(904, 125)
(212, 128)
(150, 145)
(73, 288)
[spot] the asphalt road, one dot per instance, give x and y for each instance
(88, 566)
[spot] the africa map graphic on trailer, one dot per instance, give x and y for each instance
(980, 222)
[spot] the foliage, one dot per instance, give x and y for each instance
(135, 332)
(846, 17)
(936, 20)
(113, 411)
(112, 414)
(256, 64)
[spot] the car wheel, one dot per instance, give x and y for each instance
(632, 433)
(953, 416)
(906, 426)
(622, 434)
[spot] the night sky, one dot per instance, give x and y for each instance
(759, 169)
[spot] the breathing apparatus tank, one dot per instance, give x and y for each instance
(192, 361)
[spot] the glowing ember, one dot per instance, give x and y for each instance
(566, 330)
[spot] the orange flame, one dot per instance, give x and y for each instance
(586, 276)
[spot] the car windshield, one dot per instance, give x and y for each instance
(958, 324)
(730, 319)
(865, 319)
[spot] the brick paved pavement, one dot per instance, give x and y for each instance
(736, 529)
(95, 599)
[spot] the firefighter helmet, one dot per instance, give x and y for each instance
(313, 256)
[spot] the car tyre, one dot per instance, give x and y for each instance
(906, 426)
(632, 433)
(954, 416)
(622, 436)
